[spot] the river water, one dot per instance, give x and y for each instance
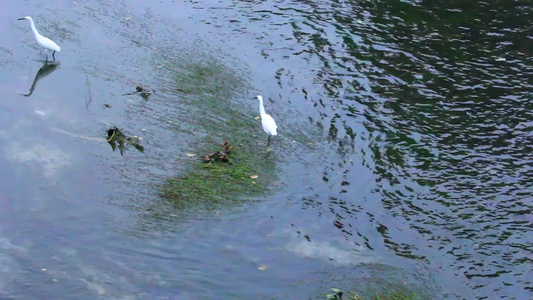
(404, 154)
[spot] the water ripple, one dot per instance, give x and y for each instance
(433, 99)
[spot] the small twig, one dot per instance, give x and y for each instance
(90, 96)
(112, 136)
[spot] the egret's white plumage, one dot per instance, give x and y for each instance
(42, 40)
(269, 125)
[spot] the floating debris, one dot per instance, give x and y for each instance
(117, 139)
(221, 156)
(144, 92)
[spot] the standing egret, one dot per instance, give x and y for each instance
(269, 125)
(45, 42)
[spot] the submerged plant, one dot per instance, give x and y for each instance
(215, 181)
(338, 294)
(208, 88)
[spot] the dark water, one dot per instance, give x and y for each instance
(404, 150)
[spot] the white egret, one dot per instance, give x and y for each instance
(45, 42)
(269, 125)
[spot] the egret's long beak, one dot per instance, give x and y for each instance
(22, 19)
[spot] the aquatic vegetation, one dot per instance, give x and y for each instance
(219, 176)
(208, 78)
(210, 184)
(338, 294)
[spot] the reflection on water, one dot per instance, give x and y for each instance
(45, 70)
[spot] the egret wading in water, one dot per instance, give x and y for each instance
(269, 125)
(45, 42)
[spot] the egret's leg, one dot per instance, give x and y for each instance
(268, 143)
(53, 55)
(46, 60)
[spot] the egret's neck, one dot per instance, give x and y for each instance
(35, 32)
(261, 108)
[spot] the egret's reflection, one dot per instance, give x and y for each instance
(45, 70)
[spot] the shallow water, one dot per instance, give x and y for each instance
(403, 155)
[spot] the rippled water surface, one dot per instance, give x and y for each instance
(404, 155)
